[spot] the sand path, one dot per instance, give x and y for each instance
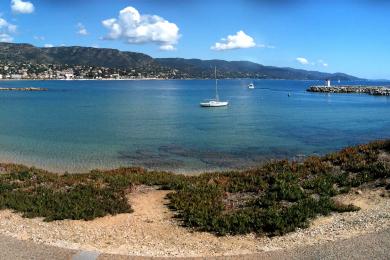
(151, 230)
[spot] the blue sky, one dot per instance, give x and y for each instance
(332, 36)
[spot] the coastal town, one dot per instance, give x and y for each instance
(31, 71)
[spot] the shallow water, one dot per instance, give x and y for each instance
(82, 125)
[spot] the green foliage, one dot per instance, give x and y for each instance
(80, 202)
(287, 195)
(273, 199)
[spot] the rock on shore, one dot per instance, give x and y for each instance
(24, 89)
(371, 90)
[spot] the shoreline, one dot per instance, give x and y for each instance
(157, 79)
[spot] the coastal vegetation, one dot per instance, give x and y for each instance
(272, 199)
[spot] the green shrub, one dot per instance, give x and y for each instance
(272, 199)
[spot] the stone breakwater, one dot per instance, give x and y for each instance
(24, 89)
(371, 90)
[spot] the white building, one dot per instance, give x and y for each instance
(16, 76)
(69, 76)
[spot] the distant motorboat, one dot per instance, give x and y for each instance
(251, 86)
(215, 102)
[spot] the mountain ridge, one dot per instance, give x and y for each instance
(184, 68)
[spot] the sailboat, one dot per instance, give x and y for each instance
(215, 102)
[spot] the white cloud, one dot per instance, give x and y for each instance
(81, 29)
(302, 60)
(167, 47)
(39, 38)
(134, 27)
(22, 7)
(265, 46)
(48, 45)
(238, 41)
(6, 37)
(305, 61)
(6, 26)
(6, 31)
(323, 63)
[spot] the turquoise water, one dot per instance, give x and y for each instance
(82, 125)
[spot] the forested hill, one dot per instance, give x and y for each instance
(183, 68)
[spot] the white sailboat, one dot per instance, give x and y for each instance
(215, 102)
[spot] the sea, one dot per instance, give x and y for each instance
(78, 126)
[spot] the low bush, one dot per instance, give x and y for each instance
(273, 199)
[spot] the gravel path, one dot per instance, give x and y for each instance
(151, 231)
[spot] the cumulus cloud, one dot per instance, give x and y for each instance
(39, 38)
(81, 29)
(6, 30)
(6, 26)
(265, 46)
(323, 63)
(22, 7)
(239, 40)
(302, 60)
(167, 47)
(305, 61)
(6, 37)
(133, 27)
(48, 45)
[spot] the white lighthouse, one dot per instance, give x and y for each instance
(327, 82)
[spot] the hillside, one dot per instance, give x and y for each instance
(184, 68)
(242, 69)
(74, 55)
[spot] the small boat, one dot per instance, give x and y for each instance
(215, 102)
(251, 86)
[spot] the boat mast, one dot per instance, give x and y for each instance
(216, 84)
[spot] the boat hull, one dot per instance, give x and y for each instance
(214, 104)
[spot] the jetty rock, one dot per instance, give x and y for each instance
(24, 89)
(371, 90)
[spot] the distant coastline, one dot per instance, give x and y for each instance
(163, 79)
(19, 61)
